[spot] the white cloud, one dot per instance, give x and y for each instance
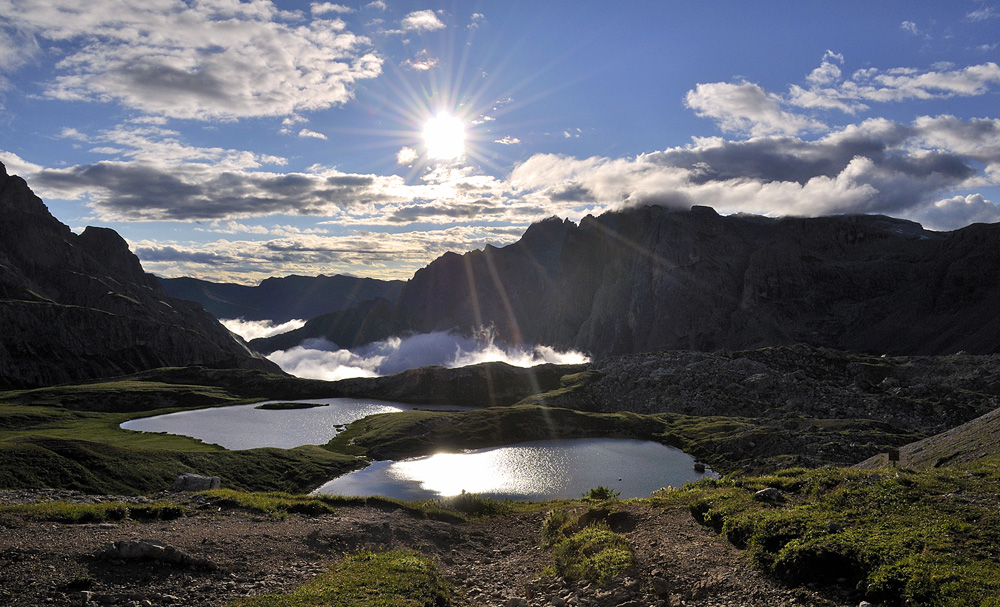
(322, 8)
(507, 140)
(828, 90)
(214, 59)
(910, 27)
(422, 21)
(311, 134)
(958, 211)
(983, 13)
(746, 108)
(253, 329)
(406, 155)
(320, 359)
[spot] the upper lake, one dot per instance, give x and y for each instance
(248, 427)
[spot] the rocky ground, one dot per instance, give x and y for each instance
(229, 553)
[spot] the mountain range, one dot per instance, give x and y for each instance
(79, 306)
(649, 279)
(281, 299)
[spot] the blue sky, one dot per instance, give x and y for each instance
(238, 140)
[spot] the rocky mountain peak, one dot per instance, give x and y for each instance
(75, 307)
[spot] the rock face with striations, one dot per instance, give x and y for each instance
(76, 307)
(649, 279)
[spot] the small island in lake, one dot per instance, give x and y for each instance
(289, 406)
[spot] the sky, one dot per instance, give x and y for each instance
(233, 141)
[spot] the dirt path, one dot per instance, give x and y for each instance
(495, 562)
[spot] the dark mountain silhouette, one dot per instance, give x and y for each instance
(76, 307)
(649, 279)
(281, 299)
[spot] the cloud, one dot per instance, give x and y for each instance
(958, 211)
(253, 329)
(828, 90)
(322, 8)
(507, 140)
(406, 155)
(910, 27)
(361, 253)
(212, 59)
(312, 134)
(320, 359)
(422, 21)
(877, 166)
(983, 13)
(746, 108)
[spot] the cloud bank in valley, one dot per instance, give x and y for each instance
(320, 359)
(254, 329)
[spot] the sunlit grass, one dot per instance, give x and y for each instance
(367, 579)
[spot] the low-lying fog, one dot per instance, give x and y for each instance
(321, 359)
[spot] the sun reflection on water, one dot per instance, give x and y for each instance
(515, 470)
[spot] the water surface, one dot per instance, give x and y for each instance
(536, 470)
(246, 427)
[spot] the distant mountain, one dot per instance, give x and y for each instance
(76, 307)
(282, 299)
(648, 279)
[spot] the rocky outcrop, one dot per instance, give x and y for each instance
(282, 299)
(650, 279)
(76, 307)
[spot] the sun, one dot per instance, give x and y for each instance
(444, 136)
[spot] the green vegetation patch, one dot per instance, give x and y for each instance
(584, 547)
(275, 502)
(895, 536)
(367, 579)
(36, 462)
(122, 396)
(411, 433)
(66, 512)
(289, 406)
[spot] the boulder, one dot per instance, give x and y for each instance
(195, 482)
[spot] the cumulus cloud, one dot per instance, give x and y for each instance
(206, 60)
(322, 8)
(746, 108)
(254, 329)
(422, 21)
(320, 359)
(958, 211)
(311, 134)
(877, 166)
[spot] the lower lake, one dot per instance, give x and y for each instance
(249, 426)
(537, 470)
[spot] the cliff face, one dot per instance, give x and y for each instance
(650, 279)
(76, 307)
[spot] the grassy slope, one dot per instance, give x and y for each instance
(69, 437)
(895, 536)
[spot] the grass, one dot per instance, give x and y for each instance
(367, 579)
(70, 437)
(410, 433)
(583, 545)
(66, 512)
(894, 536)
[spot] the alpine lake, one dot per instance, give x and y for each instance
(530, 471)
